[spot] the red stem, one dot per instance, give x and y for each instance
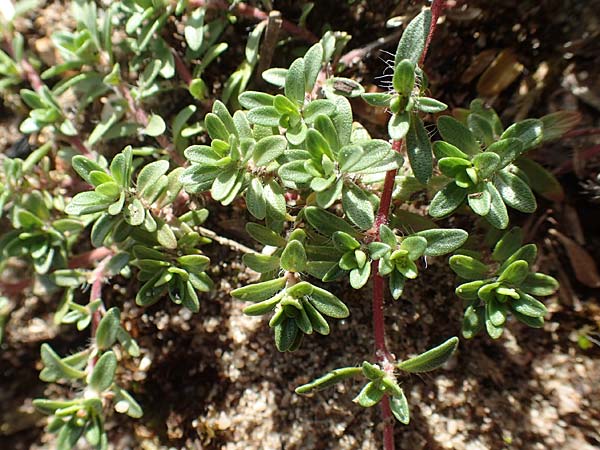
(95, 294)
(142, 118)
(582, 132)
(86, 259)
(181, 68)
(250, 12)
(436, 10)
(583, 155)
(31, 75)
(384, 357)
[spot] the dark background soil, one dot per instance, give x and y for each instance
(214, 380)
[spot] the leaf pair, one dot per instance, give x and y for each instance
(492, 293)
(381, 384)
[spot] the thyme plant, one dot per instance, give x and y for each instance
(318, 189)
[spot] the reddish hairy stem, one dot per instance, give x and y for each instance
(31, 75)
(95, 294)
(583, 155)
(181, 69)
(383, 355)
(142, 118)
(251, 12)
(582, 132)
(86, 259)
(436, 10)
(12, 289)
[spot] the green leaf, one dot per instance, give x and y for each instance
(381, 99)
(328, 304)
(480, 201)
(447, 200)
(399, 407)
(259, 291)
(324, 125)
(269, 149)
(267, 116)
(498, 215)
(286, 334)
(508, 244)
(468, 291)
(493, 331)
(418, 148)
(378, 249)
(293, 258)
(327, 223)
(317, 145)
(224, 183)
(150, 174)
(559, 123)
(255, 200)
(86, 203)
(106, 333)
(481, 128)
(264, 235)
(360, 276)
(515, 192)
(473, 321)
(377, 151)
(528, 306)
(397, 281)
(343, 241)
(165, 236)
(295, 82)
(453, 167)
(468, 267)
(370, 395)
(313, 60)
(68, 436)
(56, 368)
(125, 403)
(84, 167)
(431, 359)
(343, 120)
(430, 105)
(539, 284)
(541, 180)
(275, 200)
(496, 312)
(458, 135)
(399, 125)
(507, 149)
(261, 263)
(412, 42)
(414, 245)
(104, 372)
(156, 126)
(109, 190)
(317, 108)
(329, 379)
(263, 307)
(403, 79)
(275, 76)
(357, 206)
(443, 149)
(486, 164)
(529, 131)
(526, 253)
(253, 99)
